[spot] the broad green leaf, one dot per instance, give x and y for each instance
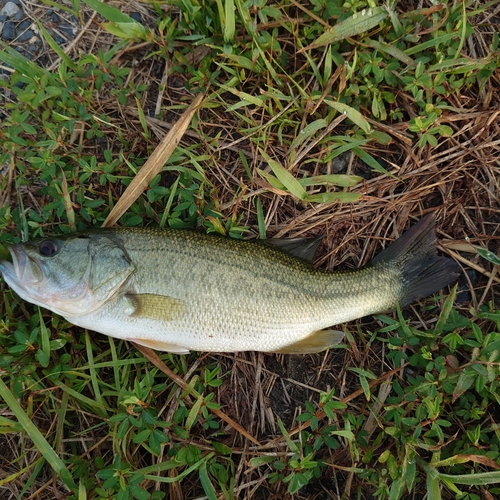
(343, 433)
(239, 60)
(446, 311)
(110, 13)
(275, 183)
(380, 137)
(20, 63)
(357, 24)
(370, 161)
(434, 42)
(229, 21)
(477, 479)
(333, 179)
(465, 381)
(308, 131)
(291, 445)
(490, 256)
(127, 31)
(396, 23)
(393, 51)
(433, 488)
(258, 461)
(291, 184)
(120, 24)
(353, 114)
(246, 99)
(208, 487)
(331, 197)
(55, 47)
(193, 413)
(397, 489)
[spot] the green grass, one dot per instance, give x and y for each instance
(409, 405)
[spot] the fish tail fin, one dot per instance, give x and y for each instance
(423, 272)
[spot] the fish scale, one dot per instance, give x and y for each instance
(180, 290)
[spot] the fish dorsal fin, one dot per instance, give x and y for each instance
(158, 345)
(303, 248)
(316, 342)
(156, 307)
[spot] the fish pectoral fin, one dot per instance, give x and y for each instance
(158, 345)
(156, 307)
(316, 342)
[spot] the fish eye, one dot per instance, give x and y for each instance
(48, 248)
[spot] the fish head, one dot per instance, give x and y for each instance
(71, 276)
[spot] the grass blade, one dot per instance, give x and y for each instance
(285, 177)
(352, 26)
(37, 437)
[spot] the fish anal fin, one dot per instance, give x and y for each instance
(158, 345)
(316, 342)
(156, 307)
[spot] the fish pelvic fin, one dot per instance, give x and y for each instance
(316, 342)
(423, 272)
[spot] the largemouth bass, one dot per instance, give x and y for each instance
(179, 290)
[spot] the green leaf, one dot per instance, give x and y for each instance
(465, 381)
(258, 461)
(291, 184)
(193, 413)
(21, 63)
(445, 313)
(433, 488)
(331, 179)
(37, 437)
(55, 47)
(489, 256)
(127, 31)
(110, 13)
(246, 99)
(138, 492)
(397, 489)
(142, 436)
(393, 51)
(341, 197)
(477, 479)
(291, 445)
(353, 114)
(208, 487)
(343, 433)
(42, 358)
(358, 23)
(229, 21)
(370, 161)
(308, 131)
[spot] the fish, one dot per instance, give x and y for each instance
(179, 290)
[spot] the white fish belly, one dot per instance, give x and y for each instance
(204, 327)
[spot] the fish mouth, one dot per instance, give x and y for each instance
(23, 270)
